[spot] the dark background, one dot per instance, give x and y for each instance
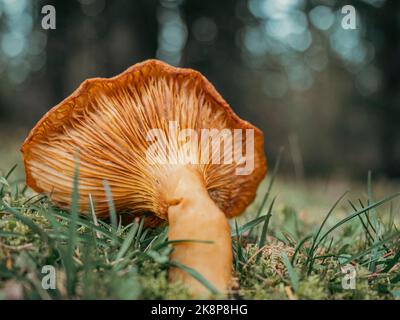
(329, 95)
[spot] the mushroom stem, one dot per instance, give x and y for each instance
(193, 215)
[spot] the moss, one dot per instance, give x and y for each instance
(263, 275)
(155, 285)
(312, 288)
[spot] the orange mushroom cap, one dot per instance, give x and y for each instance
(106, 120)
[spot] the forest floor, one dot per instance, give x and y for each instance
(298, 240)
(307, 239)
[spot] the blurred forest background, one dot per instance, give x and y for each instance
(329, 95)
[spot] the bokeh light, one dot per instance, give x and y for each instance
(172, 32)
(22, 46)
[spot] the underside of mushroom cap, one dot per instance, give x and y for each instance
(115, 127)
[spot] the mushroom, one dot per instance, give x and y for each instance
(143, 132)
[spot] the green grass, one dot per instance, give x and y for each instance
(277, 253)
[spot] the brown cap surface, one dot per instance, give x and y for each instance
(107, 120)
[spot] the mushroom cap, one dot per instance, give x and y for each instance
(107, 121)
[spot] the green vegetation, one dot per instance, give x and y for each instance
(277, 254)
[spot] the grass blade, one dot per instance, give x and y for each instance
(298, 247)
(392, 262)
(247, 226)
(68, 256)
(111, 206)
(271, 183)
(315, 243)
(195, 275)
(269, 188)
(127, 242)
(10, 234)
(8, 174)
(294, 278)
(263, 236)
(355, 214)
(374, 246)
